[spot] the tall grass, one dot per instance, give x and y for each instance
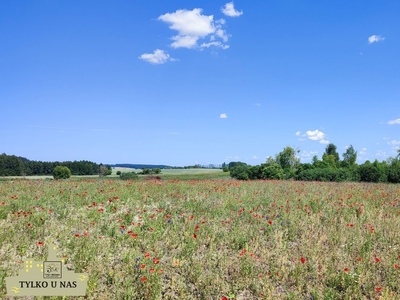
(209, 239)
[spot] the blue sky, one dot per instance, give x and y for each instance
(185, 82)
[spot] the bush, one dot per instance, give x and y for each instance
(325, 174)
(240, 172)
(61, 172)
(272, 171)
(118, 173)
(129, 176)
(394, 173)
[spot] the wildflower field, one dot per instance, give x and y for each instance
(208, 239)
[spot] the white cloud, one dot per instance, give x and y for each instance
(216, 44)
(375, 39)
(230, 10)
(394, 143)
(223, 116)
(393, 122)
(254, 157)
(298, 133)
(156, 58)
(185, 41)
(192, 25)
(315, 135)
(325, 142)
(308, 153)
(381, 153)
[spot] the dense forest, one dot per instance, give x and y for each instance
(11, 165)
(286, 165)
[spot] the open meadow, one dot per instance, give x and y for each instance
(208, 239)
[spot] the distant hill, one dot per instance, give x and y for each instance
(140, 166)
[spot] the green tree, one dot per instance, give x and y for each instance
(61, 172)
(11, 165)
(349, 157)
(331, 150)
(287, 159)
(330, 160)
(104, 170)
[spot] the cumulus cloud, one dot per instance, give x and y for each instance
(192, 25)
(157, 58)
(394, 122)
(230, 11)
(223, 116)
(298, 133)
(363, 151)
(316, 135)
(375, 39)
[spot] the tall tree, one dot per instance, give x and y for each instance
(287, 159)
(349, 157)
(331, 156)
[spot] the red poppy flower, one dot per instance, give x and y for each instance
(346, 270)
(303, 260)
(377, 259)
(143, 279)
(40, 243)
(396, 266)
(378, 289)
(194, 236)
(142, 266)
(134, 235)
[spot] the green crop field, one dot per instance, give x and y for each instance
(208, 239)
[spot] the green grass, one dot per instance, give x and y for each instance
(208, 239)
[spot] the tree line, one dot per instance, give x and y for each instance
(286, 165)
(11, 165)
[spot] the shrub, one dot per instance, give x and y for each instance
(394, 173)
(325, 174)
(240, 172)
(118, 173)
(272, 171)
(61, 172)
(128, 176)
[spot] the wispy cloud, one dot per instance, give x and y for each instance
(375, 39)
(223, 116)
(393, 143)
(394, 122)
(192, 25)
(158, 57)
(363, 151)
(230, 11)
